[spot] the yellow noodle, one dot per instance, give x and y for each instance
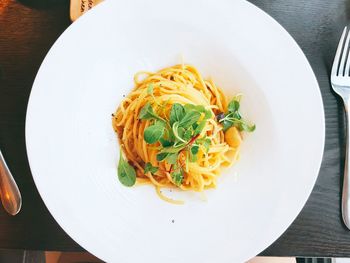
(178, 84)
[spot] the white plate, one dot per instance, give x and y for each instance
(73, 153)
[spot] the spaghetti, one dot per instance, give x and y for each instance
(171, 129)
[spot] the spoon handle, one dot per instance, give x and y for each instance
(10, 194)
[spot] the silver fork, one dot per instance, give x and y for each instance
(340, 80)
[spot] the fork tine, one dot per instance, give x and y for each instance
(347, 67)
(344, 57)
(338, 53)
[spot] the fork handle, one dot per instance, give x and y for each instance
(346, 182)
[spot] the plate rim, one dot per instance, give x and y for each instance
(322, 133)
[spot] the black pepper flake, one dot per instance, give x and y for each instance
(112, 114)
(124, 96)
(173, 221)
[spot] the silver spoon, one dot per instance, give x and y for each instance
(10, 195)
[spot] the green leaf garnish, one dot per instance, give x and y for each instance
(188, 134)
(200, 108)
(194, 149)
(173, 149)
(150, 89)
(126, 173)
(233, 106)
(177, 112)
(153, 133)
(208, 114)
(150, 168)
(177, 177)
(172, 158)
(160, 123)
(189, 107)
(192, 107)
(193, 158)
(227, 124)
(236, 115)
(161, 156)
(165, 143)
(147, 113)
(205, 142)
(189, 118)
(246, 127)
(233, 118)
(178, 132)
(193, 153)
(200, 127)
(171, 136)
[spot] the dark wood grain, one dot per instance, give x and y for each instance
(318, 231)
(26, 34)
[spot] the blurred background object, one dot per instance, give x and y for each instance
(80, 7)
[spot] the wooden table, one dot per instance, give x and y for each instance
(29, 28)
